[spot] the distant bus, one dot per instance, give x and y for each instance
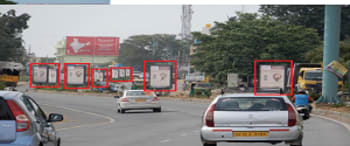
(9, 72)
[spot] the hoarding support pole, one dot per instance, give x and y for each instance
(330, 53)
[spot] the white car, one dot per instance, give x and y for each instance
(138, 100)
(249, 118)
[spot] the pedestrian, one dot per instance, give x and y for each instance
(184, 86)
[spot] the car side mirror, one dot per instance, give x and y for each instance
(116, 96)
(53, 117)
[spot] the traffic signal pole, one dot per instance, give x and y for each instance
(330, 53)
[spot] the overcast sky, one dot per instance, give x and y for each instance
(52, 23)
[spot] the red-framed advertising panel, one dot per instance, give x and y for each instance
(31, 73)
(274, 94)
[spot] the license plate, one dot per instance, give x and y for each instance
(250, 134)
(140, 100)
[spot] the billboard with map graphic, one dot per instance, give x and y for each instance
(92, 46)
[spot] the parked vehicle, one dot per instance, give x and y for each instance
(308, 76)
(249, 118)
(137, 100)
(23, 122)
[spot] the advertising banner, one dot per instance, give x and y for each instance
(272, 76)
(40, 74)
(121, 73)
(127, 72)
(98, 75)
(52, 76)
(107, 46)
(115, 73)
(80, 45)
(75, 75)
(195, 78)
(337, 69)
(92, 46)
(232, 80)
(160, 77)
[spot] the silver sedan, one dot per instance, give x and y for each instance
(137, 100)
(249, 118)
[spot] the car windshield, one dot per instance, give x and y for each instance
(315, 76)
(250, 104)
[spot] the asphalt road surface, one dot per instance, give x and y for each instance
(94, 121)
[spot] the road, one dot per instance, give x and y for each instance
(93, 121)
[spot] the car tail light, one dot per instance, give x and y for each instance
(155, 99)
(124, 99)
(209, 118)
(22, 120)
(292, 116)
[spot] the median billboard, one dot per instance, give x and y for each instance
(92, 46)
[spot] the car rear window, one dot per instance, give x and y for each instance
(251, 104)
(139, 93)
(5, 112)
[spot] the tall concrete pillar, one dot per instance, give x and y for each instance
(330, 53)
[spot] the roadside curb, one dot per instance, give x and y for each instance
(337, 117)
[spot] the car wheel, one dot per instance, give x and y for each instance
(157, 110)
(122, 111)
(118, 110)
(299, 142)
(206, 144)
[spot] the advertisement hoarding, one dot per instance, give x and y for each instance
(46, 70)
(337, 68)
(92, 46)
(127, 72)
(115, 73)
(232, 80)
(98, 75)
(39, 74)
(195, 78)
(75, 75)
(272, 76)
(52, 76)
(121, 73)
(160, 77)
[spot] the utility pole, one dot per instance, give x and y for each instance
(330, 53)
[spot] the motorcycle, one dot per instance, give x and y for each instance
(304, 111)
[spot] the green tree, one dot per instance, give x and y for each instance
(6, 2)
(137, 48)
(311, 16)
(316, 55)
(11, 28)
(234, 44)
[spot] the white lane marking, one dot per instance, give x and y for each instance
(347, 126)
(165, 141)
(110, 119)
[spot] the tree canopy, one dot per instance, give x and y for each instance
(6, 2)
(311, 16)
(137, 48)
(11, 28)
(233, 45)
(316, 55)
